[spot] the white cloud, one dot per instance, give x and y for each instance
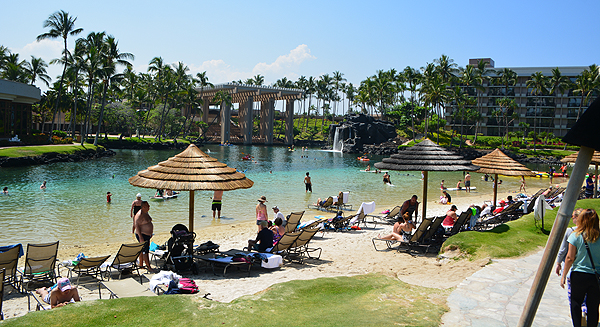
(47, 50)
(285, 63)
(219, 71)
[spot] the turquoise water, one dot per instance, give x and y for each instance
(73, 208)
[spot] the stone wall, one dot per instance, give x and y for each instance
(360, 130)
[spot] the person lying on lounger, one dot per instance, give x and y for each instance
(60, 294)
(401, 232)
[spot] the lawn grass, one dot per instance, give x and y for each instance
(32, 151)
(372, 299)
(513, 239)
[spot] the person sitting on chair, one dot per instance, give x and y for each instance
(264, 239)
(60, 294)
(401, 232)
(450, 217)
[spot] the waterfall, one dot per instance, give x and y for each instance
(338, 142)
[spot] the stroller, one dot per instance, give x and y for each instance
(180, 246)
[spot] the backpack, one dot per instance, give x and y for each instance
(187, 286)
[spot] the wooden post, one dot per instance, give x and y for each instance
(495, 190)
(425, 177)
(556, 235)
(191, 223)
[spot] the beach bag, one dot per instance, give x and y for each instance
(240, 257)
(187, 286)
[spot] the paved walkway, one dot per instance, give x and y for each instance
(496, 295)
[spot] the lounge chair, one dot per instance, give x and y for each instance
(292, 221)
(325, 205)
(8, 261)
(126, 259)
(2, 272)
(87, 266)
(460, 222)
(284, 243)
(127, 287)
(414, 239)
(507, 214)
(345, 204)
(431, 234)
(389, 218)
(40, 264)
(299, 248)
(532, 199)
(339, 224)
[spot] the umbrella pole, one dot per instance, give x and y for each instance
(424, 197)
(556, 235)
(191, 211)
(495, 190)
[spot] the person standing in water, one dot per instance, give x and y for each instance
(308, 183)
(217, 202)
(468, 183)
(43, 186)
(108, 197)
(522, 188)
(136, 205)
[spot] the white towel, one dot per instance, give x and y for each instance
(346, 194)
(163, 277)
(335, 198)
(366, 207)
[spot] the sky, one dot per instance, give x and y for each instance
(233, 40)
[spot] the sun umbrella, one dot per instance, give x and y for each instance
(191, 170)
(595, 161)
(497, 163)
(426, 156)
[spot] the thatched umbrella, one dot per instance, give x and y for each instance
(572, 158)
(426, 156)
(191, 170)
(497, 163)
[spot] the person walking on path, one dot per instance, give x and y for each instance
(562, 254)
(468, 182)
(261, 211)
(308, 183)
(217, 202)
(583, 254)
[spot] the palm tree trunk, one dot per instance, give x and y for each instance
(534, 126)
(84, 126)
(101, 112)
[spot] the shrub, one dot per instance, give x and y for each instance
(60, 140)
(59, 133)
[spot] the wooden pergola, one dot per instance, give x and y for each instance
(246, 96)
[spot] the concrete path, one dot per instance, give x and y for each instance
(496, 295)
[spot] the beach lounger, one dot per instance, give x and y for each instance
(126, 259)
(2, 272)
(389, 218)
(460, 222)
(327, 205)
(339, 225)
(414, 240)
(507, 214)
(127, 287)
(8, 261)
(87, 266)
(299, 249)
(346, 205)
(292, 221)
(431, 234)
(40, 264)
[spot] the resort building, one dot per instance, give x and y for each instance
(15, 107)
(556, 113)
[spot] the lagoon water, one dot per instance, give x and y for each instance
(73, 208)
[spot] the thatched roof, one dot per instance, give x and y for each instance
(573, 157)
(583, 132)
(426, 156)
(496, 162)
(191, 170)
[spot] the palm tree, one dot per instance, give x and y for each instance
(15, 69)
(505, 112)
(350, 94)
(203, 82)
(111, 57)
(61, 25)
(435, 94)
(36, 68)
(538, 83)
(506, 77)
(258, 80)
(585, 83)
(482, 75)
(338, 79)
(93, 44)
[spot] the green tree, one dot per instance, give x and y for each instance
(506, 113)
(538, 83)
(111, 57)
(506, 77)
(482, 73)
(36, 68)
(61, 25)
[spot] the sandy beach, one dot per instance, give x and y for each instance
(344, 254)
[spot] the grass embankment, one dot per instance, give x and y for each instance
(372, 299)
(513, 239)
(32, 151)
